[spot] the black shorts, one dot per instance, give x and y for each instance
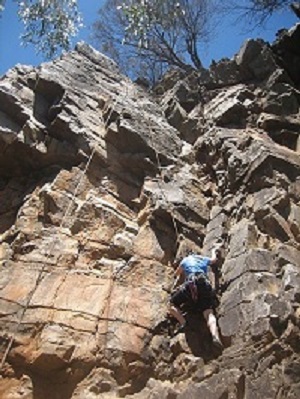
(206, 296)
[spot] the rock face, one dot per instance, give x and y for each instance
(103, 185)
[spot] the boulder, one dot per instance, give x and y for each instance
(226, 73)
(229, 107)
(281, 99)
(256, 60)
(286, 47)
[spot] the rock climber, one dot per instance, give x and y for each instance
(196, 291)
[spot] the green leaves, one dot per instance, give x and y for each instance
(49, 24)
(146, 37)
(2, 3)
(145, 15)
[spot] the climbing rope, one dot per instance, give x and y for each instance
(64, 218)
(40, 275)
(160, 181)
(67, 215)
(106, 310)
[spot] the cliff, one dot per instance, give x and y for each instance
(103, 185)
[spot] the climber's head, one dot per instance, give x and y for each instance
(182, 253)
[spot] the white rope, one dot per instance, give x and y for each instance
(160, 181)
(65, 216)
(39, 278)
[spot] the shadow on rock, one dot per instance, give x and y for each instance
(199, 339)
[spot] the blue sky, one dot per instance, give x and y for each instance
(226, 41)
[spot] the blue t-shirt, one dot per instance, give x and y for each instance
(195, 264)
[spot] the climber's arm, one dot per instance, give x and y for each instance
(214, 276)
(215, 254)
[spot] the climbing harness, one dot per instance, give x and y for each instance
(199, 282)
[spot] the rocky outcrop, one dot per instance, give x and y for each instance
(260, 79)
(287, 49)
(103, 185)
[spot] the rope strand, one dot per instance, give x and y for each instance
(65, 216)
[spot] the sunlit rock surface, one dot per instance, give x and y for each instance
(102, 185)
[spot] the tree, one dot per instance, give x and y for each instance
(256, 11)
(265, 8)
(161, 33)
(48, 24)
(156, 34)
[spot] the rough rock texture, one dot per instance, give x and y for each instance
(103, 185)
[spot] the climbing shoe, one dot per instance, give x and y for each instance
(180, 329)
(217, 343)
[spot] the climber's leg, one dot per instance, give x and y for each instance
(212, 325)
(178, 298)
(175, 312)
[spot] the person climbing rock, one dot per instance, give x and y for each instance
(196, 291)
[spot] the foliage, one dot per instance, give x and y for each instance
(2, 3)
(155, 33)
(49, 24)
(257, 11)
(267, 6)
